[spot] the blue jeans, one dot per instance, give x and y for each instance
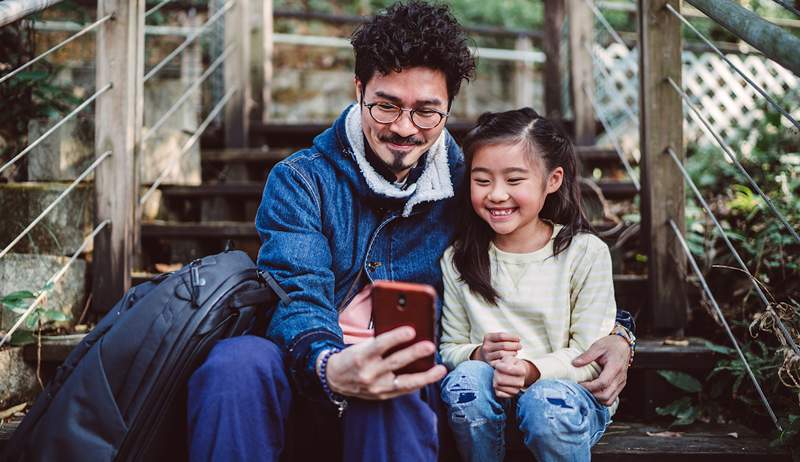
(239, 405)
(558, 420)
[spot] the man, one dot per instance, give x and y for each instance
(374, 198)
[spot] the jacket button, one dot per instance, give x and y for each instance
(373, 265)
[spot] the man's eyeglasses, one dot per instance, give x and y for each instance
(386, 113)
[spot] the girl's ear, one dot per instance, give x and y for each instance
(554, 180)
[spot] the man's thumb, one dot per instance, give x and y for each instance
(587, 357)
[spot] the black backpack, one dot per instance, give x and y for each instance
(121, 393)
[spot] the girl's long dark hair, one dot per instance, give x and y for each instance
(541, 138)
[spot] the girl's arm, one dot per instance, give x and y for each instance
(593, 313)
(454, 346)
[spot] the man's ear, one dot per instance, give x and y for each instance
(359, 89)
(554, 180)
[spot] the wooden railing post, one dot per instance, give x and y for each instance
(237, 74)
(581, 24)
(662, 199)
(262, 60)
(523, 75)
(118, 124)
(553, 23)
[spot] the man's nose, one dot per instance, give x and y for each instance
(403, 126)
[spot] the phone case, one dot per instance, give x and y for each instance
(396, 304)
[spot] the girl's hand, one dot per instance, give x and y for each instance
(496, 346)
(509, 376)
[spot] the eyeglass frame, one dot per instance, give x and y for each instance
(369, 106)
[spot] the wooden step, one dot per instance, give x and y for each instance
(638, 442)
(614, 190)
(589, 156)
(193, 230)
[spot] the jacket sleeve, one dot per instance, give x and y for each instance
(593, 311)
(296, 252)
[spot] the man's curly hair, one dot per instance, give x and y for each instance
(414, 34)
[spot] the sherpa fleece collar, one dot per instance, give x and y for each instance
(434, 183)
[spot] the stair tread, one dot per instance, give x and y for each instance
(701, 439)
(612, 189)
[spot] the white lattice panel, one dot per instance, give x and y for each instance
(719, 93)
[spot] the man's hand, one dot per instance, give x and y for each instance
(496, 346)
(612, 353)
(509, 376)
(362, 371)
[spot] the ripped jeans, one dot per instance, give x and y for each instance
(557, 419)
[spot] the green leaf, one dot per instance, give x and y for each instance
(682, 380)
(22, 337)
(55, 315)
(20, 294)
(32, 320)
(676, 407)
(719, 348)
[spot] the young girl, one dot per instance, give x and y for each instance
(527, 288)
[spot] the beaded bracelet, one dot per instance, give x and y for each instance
(336, 399)
(628, 337)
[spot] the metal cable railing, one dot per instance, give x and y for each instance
(732, 157)
(55, 202)
(189, 143)
(188, 93)
(741, 73)
(767, 305)
(614, 139)
(597, 64)
(788, 6)
(155, 8)
(55, 127)
(189, 40)
(56, 47)
(724, 322)
(604, 22)
(53, 280)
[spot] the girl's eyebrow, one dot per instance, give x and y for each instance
(505, 170)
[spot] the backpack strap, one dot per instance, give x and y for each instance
(262, 295)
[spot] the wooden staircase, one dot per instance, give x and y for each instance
(199, 220)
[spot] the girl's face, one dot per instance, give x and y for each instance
(508, 190)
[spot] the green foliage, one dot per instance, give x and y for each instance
(727, 392)
(19, 302)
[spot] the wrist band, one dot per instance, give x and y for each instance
(628, 336)
(336, 399)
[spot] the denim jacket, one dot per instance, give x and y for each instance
(329, 224)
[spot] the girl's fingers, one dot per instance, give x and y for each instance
(500, 337)
(506, 392)
(502, 346)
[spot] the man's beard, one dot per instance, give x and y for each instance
(398, 157)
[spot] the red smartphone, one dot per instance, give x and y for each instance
(396, 304)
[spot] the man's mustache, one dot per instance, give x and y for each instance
(401, 140)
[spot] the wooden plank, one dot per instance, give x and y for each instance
(662, 198)
(611, 189)
(118, 122)
(581, 24)
(551, 45)
(237, 74)
(244, 155)
(210, 230)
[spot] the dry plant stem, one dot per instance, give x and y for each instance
(39, 354)
(85, 308)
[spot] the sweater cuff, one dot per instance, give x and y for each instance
(457, 354)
